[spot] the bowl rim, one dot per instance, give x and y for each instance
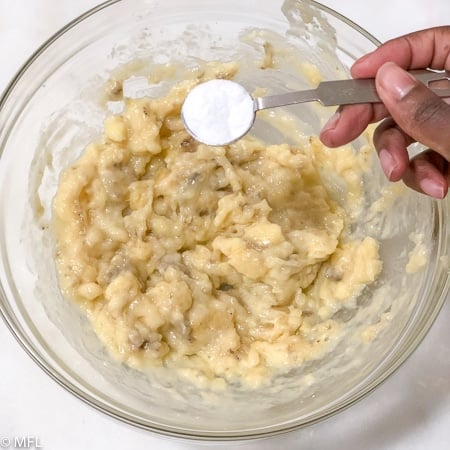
(86, 397)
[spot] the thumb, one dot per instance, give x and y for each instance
(416, 109)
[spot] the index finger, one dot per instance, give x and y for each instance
(419, 50)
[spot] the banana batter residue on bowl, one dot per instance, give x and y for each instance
(220, 262)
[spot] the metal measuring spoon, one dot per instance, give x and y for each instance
(219, 112)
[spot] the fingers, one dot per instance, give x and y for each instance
(391, 144)
(349, 122)
(428, 173)
(415, 109)
(417, 113)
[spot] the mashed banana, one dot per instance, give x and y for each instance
(222, 262)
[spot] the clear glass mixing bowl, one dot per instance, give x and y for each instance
(54, 107)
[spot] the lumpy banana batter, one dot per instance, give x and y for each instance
(219, 262)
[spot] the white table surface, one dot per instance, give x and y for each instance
(409, 411)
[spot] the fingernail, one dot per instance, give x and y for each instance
(332, 121)
(387, 163)
(432, 188)
(395, 80)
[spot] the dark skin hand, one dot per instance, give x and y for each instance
(411, 111)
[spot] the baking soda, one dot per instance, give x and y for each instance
(218, 112)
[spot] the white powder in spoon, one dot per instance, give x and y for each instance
(218, 112)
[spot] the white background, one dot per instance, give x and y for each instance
(410, 411)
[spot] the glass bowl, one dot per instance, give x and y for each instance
(55, 106)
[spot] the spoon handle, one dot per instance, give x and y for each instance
(347, 92)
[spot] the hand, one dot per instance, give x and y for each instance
(412, 112)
